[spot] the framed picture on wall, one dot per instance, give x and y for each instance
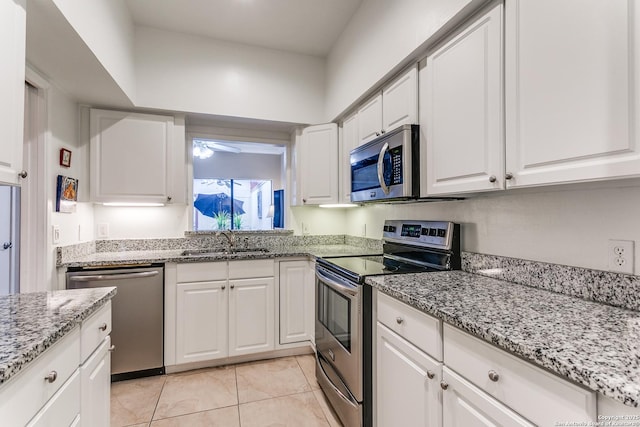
(65, 157)
(66, 194)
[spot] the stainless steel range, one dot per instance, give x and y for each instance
(344, 306)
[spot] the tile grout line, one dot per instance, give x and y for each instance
(235, 372)
(155, 408)
(314, 394)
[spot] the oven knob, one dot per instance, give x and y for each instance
(399, 320)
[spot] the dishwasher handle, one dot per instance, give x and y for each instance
(100, 277)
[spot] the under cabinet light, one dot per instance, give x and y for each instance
(127, 204)
(338, 205)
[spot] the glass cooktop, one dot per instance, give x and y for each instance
(372, 265)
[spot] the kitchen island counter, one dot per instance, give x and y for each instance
(32, 322)
(593, 344)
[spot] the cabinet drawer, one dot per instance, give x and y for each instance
(201, 271)
(63, 408)
(248, 269)
(420, 329)
(540, 396)
(23, 396)
(94, 330)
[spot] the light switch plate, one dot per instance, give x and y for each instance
(55, 234)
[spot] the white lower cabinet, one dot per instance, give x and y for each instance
(95, 383)
(251, 315)
(201, 321)
(224, 309)
(464, 405)
(60, 387)
(296, 294)
(408, 383)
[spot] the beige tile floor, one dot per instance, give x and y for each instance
(276, 392)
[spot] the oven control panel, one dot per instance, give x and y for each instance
(437, 234)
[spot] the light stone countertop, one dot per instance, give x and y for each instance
(32, 322)
(593, 344)
(175, 255)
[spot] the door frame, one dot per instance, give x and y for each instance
(35, 242)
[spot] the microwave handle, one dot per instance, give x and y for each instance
(383, 185)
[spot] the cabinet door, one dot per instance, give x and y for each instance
(349, 141)
(572, 91)
(370, 119)
(400, 101)
(63, 408)
(319, 164)
(95, 387)
(465, 405)
(201, 321)
(296, 301)
(404, 391)
(12, 47)
(251, 315)
(130, 156)
(463, 111)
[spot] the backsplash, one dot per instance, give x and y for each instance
(211, 241)
(620, 290)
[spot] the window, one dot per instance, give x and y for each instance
(232, 204)
(234, 183)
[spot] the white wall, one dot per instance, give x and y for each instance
(563, 226)
(316, 221)
(196, 74)
(381, 35)
(107, 29)
(142, 222)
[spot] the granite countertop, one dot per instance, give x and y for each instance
(162, 256)
(32, 322)
(593, 344)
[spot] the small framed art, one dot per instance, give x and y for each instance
(65, 157)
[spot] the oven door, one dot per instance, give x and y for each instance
(339, 328)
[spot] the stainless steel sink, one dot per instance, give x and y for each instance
(223, 252)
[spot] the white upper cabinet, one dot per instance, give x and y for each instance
(349, 141)
(572, 91)
(317, 165)
(136, 158)
(370, 119)
(462, 111)
(12, 48)
(396, 105)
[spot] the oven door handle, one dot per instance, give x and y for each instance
(383, 185)
(334, 284)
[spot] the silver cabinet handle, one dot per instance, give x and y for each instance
(399, 320)
(493, 178)
(103, 327)
(430, 375)
(444, 385)
(494, 376)
(22, 174)
(53, 375)
(112, 348)
(508, 175)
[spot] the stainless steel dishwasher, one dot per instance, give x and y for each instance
(137, 330)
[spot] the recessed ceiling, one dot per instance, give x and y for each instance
(301, 26)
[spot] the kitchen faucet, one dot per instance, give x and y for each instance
(230, 238)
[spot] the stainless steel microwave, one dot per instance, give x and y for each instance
(387, 168)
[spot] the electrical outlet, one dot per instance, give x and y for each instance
(103, 230)
(55, 234)
(621, 256)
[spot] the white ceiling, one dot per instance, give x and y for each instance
(301, 26)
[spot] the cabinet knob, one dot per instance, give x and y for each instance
(399, 320)
(224, 287)
(430, 375)
(494, 376)
(103, 327)
(382, 131)
(304, 200)
(508, 175)
(112, 348)
(168, 199)
(492, 178)
(53, 375)
(22, 174)
(377, 133)
(444, 385)
(7, 245)
(232, 286)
